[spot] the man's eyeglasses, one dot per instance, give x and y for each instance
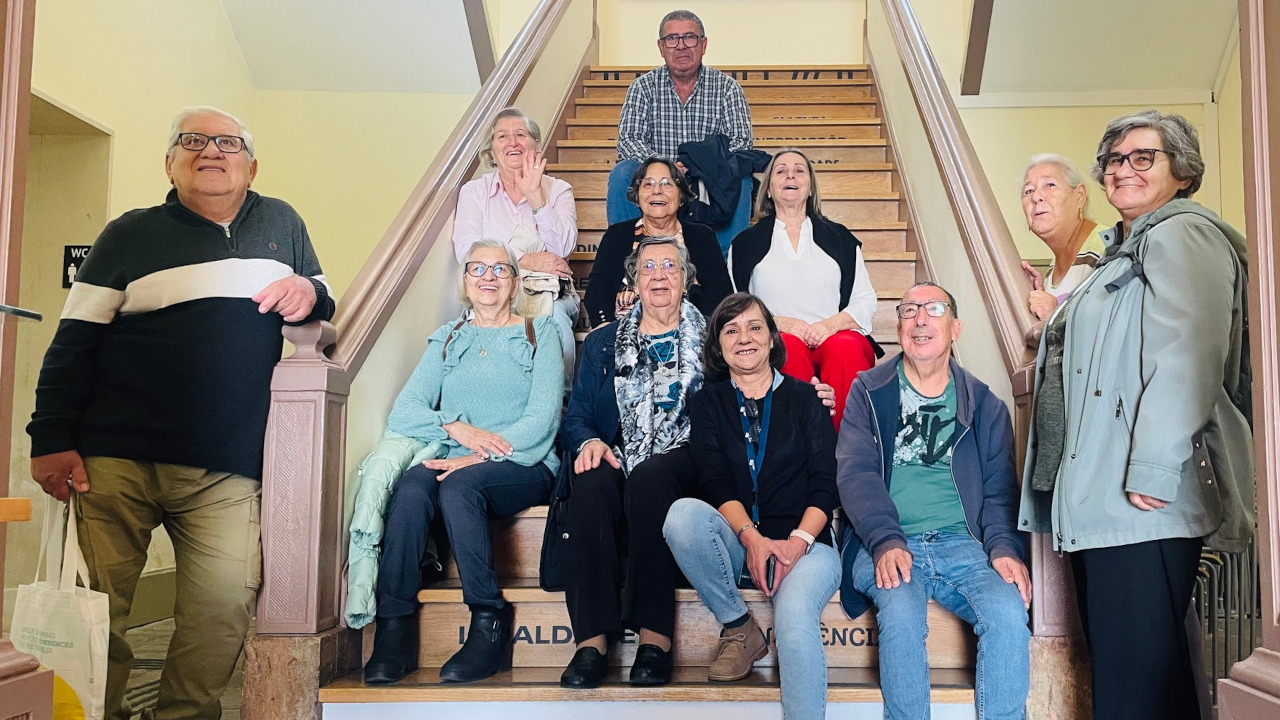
(752, 408)
(649, 267)
(196, 142)
(936, 308)
(500, 270)
(1139, 160)
(687, 39)
(652, 184)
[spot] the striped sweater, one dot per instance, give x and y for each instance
(160, 354)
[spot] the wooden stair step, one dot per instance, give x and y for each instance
(811, 107)
(844, 685)
(543, 636)
(757, 90)
(764, 130)
(889, 237)
(767, 73)
(591, 180)
(825, 153)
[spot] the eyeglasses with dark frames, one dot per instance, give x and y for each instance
(688, 40)
(1140, 159)
(936, 308)
(501, 270)
(195, 142)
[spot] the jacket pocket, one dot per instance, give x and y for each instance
(1124, 413)
(253, 545)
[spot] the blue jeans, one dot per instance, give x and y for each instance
(564, 312)
(710, 556)
(953, 569)
(618, 208)
(466, 499)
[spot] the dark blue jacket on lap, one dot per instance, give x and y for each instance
(593, 405)
(981, 464)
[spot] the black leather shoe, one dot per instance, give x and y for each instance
(487, 650)
(652, 666)
(395, 650)
(585, 670)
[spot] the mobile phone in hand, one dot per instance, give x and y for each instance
(769, 566)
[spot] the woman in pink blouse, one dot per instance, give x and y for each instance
(521, 206)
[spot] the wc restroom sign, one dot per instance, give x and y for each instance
(72, 258)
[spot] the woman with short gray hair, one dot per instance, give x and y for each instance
(532, 212)
(1141, 448)
(486, 397)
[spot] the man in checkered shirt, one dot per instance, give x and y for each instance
(683, 101)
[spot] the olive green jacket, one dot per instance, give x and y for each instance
(1155, 351)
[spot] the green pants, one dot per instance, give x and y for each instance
(212, 518)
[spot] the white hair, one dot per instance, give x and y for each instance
(187, 113)
(511, 258)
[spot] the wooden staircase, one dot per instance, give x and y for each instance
(831, 112)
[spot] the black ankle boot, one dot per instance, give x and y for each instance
(487, 649)
(395, 650)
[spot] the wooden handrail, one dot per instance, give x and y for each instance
(985, 235)
(373, 295)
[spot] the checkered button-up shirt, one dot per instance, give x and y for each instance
(655, 122)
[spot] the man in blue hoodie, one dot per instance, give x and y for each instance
(925, 471)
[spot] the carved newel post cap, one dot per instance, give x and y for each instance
(311, 341)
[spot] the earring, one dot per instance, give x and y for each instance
(1081, 213)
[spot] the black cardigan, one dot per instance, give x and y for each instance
(617, 243)
(751, 245)
(799, 468)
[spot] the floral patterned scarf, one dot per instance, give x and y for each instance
(647, 430)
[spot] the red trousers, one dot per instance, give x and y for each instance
(835, 362)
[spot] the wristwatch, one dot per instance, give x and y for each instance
(806, 537)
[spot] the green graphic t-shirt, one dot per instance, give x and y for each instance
(921, 486)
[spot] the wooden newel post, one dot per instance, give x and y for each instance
(299, 644)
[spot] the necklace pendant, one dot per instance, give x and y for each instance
(484, 353)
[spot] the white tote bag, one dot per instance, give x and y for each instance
(65, 626)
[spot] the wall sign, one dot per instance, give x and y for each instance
(72, 258)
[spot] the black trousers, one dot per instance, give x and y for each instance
(1133, 604)
(604, 505)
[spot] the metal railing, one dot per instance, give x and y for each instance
(1228, 602)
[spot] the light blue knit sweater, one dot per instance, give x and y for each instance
(489, 378)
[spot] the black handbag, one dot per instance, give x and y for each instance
(553, 567)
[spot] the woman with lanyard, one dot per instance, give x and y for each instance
(765, 450)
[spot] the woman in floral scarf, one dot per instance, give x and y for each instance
(628, 426)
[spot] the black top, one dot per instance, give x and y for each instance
(621, 239)
(799, 467)
(161, 354)
(751, 245)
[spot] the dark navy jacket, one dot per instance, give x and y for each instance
(981, 463)
(593, 405)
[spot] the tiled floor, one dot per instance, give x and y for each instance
(149, 645)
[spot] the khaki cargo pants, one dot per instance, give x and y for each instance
(213, 520)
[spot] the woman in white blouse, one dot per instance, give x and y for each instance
(810, 272)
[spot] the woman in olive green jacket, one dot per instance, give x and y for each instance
(1140, 451)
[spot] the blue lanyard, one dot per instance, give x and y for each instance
(755, 452)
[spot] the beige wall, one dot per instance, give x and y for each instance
(506, 19)
(66, 202)
(739, 32)
(347, 162)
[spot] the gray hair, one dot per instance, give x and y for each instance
(535, 132)
(951, 299)
(812, 204)
(1181, 144)
(187, 113)
(511, 258)
(632, 265)
(1070, 172)
(680, 15)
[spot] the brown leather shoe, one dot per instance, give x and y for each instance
(739, 648)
